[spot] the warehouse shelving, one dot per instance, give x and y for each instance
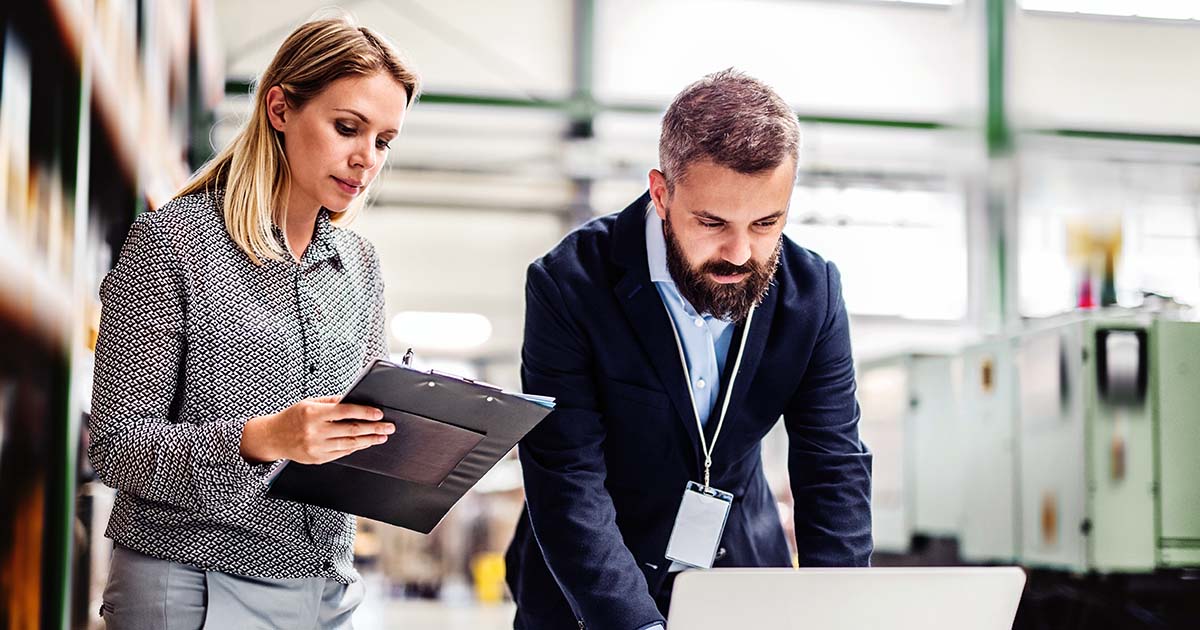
(96, 114)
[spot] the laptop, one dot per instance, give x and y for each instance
(917, 598)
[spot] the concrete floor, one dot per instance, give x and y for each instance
(380, 611)
(427, 615)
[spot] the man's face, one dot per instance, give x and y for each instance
(724, 232)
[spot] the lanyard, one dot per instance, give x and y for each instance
(737, 363)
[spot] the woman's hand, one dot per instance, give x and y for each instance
(313, 431)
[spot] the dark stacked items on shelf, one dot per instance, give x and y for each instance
(98, 104)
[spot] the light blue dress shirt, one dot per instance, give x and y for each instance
(705, 338)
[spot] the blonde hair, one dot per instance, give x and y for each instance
(253, 169)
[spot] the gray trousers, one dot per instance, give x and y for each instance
(145, 593)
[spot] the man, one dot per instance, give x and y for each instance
(637, 324)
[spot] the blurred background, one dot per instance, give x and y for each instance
(1011, 189)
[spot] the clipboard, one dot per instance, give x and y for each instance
(449, 432)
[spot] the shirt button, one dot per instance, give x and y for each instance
(699, 322)
(700, 383)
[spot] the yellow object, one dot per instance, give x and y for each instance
(488, 569)
(1093, 239)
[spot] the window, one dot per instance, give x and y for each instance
(1069, 206)
(901, 252)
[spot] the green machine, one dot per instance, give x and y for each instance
(1175, 386)
(1108, 415)
(989, 441)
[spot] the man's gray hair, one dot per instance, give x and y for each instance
(732, 119)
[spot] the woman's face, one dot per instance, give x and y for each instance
(337, 142)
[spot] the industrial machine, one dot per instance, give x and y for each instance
(914, 425)
(989, 443)
(884, 398)
(1069, 446)
(1108, 411)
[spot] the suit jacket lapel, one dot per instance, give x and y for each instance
(756, 344)
(652, 325)
(648, 316)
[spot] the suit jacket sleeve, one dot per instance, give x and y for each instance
(571, 512)
(830, 468)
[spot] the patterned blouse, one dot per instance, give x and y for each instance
(194, 341)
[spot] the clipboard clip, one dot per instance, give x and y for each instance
(464, 379)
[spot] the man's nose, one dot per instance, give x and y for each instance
(736, 249)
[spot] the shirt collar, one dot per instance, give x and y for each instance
(324, 244)
(656, 259)
(656, 247)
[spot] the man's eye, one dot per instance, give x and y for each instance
(710, 224)
(767, 224)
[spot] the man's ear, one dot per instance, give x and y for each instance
(659, 193)
(277, 108)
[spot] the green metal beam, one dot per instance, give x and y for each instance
(582, 108)
(874, 122)
(1000, 181)
(442, 98)
(1121, 135)
(999, 135)
(577, 104)
(583, 62)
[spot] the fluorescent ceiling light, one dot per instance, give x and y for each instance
(1152, 9)
(441, 331)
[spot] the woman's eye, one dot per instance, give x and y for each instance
(382, 145)
(345, 130)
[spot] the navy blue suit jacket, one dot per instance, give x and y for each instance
(605, 472)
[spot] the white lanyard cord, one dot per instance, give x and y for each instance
(737, 364)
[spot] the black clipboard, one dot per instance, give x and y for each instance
(449, 432)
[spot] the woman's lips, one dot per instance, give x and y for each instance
(348, 187)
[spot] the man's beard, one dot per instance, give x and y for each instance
(730, 302)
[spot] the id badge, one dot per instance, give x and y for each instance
(698, 526)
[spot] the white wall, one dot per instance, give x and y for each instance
(824, 56)
(508, 48)
(452, 260)
(841, 58)
(1104, 73)
(844, 58)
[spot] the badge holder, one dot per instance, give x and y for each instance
(699, 525)
(704, 509)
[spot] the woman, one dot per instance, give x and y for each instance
(234, 316)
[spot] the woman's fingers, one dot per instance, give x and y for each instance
(339, 411)
(337, 447)
(345, 445)
(355, 428)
